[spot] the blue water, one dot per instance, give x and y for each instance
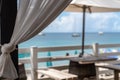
(66, 39)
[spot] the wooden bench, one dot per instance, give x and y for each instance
(57, 75)
(115, 68)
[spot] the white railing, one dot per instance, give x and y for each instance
(34, 60)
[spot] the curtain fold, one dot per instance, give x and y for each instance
(33, 16)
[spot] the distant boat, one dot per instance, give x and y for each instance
(75, 30)
(41, 34)
(100, 33)
(75, 35)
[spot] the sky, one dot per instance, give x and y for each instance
(95, 22)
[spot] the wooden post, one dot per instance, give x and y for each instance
(116, 75)
(34, 65)
(97, 73)
(95, 49)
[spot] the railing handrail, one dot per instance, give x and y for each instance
(62, 48)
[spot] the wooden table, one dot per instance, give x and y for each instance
(85, 67)
(92, 59)
(114, 67)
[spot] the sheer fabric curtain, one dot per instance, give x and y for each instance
(33, 16)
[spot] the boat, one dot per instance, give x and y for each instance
(100, 33)
(41, 34)
(75, 35)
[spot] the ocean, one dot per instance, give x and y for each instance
(66, 39)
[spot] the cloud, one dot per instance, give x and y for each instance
(65, 23)
(116, 26)
(60, 24)
(102, 22)
(72, 22)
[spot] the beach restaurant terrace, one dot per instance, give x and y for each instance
(21, 23)
(101, 73)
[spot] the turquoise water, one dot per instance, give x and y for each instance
(66, 39)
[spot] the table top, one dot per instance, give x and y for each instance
(111, 66)
(92, 59)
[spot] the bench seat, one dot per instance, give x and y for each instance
(57, 75)
(115, 68)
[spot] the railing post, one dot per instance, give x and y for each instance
(34, 65)
(95, 49)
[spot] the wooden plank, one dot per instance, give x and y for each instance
(62, 48)
(109, 54)
(24, 50)
(113, 67)
(68, 75)
(52, 74)
(56, 74)
(60, 58)
(109, 45)
(34, 65)
(116, 75)
(116, 69)
(24, 60)
(92, 59)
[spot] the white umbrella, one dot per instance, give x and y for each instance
(92, 6)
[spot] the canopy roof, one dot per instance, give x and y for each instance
(94, 5)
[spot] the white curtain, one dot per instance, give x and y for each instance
(33, 16)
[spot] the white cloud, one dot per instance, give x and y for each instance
(65, 23)
(116, 26)
(94, 22)
(103, 21)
